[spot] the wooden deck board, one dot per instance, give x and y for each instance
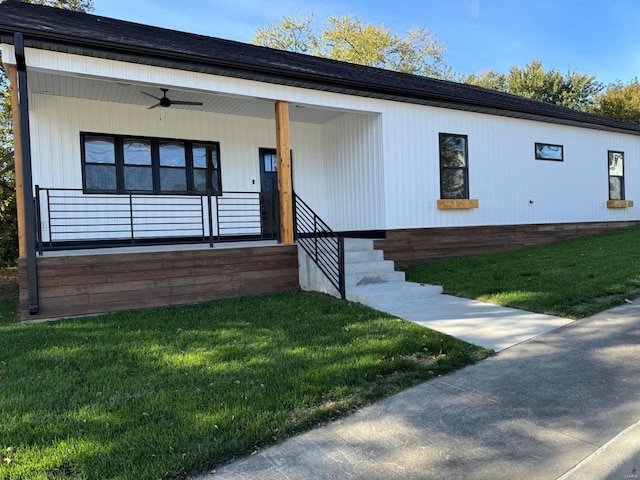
(90, 284)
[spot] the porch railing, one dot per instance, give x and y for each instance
(67, 216)
(323, 245)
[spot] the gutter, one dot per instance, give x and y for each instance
(27, 179)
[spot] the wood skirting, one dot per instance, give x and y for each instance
(411, 246)
(90, 284)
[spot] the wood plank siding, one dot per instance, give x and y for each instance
(91, 284)
(411, 246)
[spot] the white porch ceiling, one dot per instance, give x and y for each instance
(91, 89)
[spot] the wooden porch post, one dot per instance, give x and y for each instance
(17, 156)
(285, 190)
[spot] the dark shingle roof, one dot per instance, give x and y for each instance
(76, 32)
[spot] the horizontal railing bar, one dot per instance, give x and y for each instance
(129, 216)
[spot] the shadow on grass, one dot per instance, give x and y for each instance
(166, 392)
(532, 411)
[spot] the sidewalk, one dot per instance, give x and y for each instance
(536, 410)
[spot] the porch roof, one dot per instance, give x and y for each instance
(90, 35)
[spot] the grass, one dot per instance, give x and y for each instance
(8, 296)
(573, 279)
(168, 392)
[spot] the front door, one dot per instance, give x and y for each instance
(269, 192)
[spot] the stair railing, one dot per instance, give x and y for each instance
(323, 245)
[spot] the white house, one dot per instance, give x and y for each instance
(129, 134)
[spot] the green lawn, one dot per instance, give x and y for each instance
(573, 279)
(168, 392)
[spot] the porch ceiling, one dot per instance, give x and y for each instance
(127, 93)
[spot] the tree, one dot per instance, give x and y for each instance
(348, 39)
(620, 101)
(573, 90)
(8, 217)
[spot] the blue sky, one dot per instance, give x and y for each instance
(600, 38)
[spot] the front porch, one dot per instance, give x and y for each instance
(137, 207)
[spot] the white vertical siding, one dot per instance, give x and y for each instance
(354, 173)
(371, 170)
(503, 172)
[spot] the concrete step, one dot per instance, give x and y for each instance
(372, 278)
(363, 256)
(357, 244)
(402, 292)
(366, 268)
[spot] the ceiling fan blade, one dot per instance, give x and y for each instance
(149, 95)
(153, 106)
(180, 102)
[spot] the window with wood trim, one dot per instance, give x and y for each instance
(616, 175)
(454, 168)
(124, 164)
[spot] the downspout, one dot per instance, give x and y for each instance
(27, 181)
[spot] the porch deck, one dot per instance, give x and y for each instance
(174, 247)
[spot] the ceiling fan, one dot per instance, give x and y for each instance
(166, 102)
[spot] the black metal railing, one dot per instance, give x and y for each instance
(68, 217)
(323, 245)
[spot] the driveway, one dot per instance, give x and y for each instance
(558, 403)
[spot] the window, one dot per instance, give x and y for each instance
(616, 175)
(121, 164)
(138, 172)
(547, 151)
(173, 167)
(99, 163)
(206, 170)
(454, 170)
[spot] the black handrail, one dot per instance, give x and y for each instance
(323, 245)
(138, 217)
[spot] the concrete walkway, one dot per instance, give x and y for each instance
(484, 324)
(558, 404)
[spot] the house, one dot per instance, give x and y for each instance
(132, 135)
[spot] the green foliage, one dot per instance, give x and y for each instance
(8, 218)
(573, 279)
(8, 222)
(573, 89)
(348, 39)
(77, 5)
(168, 392)
(620, 101)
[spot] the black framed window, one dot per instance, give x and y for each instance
(548, 151)
(173, 167)
(454, 168)
(138, 168)
(616, 175)
(99, 155)
(122, 164)
(206, 168)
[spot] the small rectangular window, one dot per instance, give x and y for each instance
(548, 151)
(454, 168)
(616, 175)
